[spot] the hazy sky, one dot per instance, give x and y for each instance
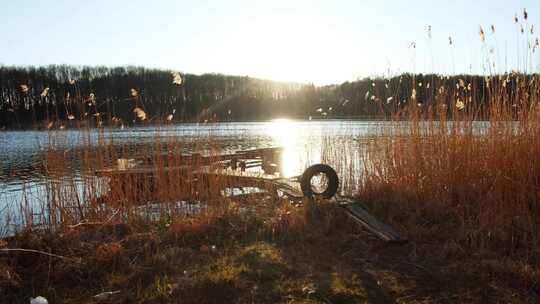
(306, 41)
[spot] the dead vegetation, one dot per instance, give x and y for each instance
(309, 254)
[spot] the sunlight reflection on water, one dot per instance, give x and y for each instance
(296, 152)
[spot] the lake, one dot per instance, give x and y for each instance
(23, 154)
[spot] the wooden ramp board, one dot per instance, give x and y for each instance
(290, 191)
(371, 223)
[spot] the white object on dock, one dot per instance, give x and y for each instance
(126, 163)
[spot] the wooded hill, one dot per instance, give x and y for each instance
(37, 96)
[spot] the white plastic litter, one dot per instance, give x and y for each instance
(105, 295)
(38, 300)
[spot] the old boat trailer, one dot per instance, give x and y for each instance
(238, 170)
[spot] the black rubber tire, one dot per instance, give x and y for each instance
(333, 181)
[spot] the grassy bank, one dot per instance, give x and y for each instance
(306, 254)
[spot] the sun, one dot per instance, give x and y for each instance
(288, 48)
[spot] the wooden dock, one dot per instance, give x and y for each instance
(229, 172)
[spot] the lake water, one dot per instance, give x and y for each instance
(23, 154)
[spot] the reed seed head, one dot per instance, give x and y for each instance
(140, 113)
(177, 79)
(460, 105)
(482, 34)
(45, 92)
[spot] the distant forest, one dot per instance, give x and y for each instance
(68, 95)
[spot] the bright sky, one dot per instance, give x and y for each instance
(305, 41)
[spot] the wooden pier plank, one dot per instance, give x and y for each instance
(371, 223)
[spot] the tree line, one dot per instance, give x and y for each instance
(68, 95)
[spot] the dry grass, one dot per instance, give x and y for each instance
(310, 254)
(483, 176)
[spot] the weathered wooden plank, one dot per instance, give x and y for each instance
(149, 170)
(253, 154)
(173, 162)
(290, 191)
(241, 175)
(371, 223)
